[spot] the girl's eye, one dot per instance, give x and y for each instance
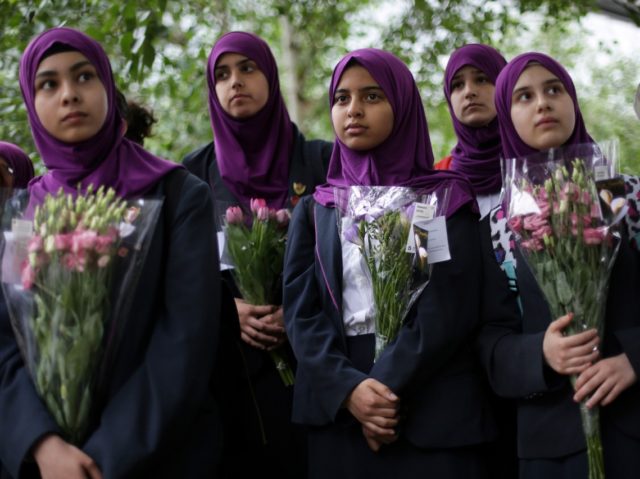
(554, 90)
(457, 85)
(340, 99)
(482, 79)
(247, 68)
(85, 76)
(372, 97)
(46, 85)
(220, 75)
(524, 96)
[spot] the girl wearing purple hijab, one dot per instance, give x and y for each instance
(469, 87)
(154, 415)
(257, 152)
(16, 168)
(537, 110)
(421, 409)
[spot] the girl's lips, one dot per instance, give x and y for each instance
(546, 121)
(238, 97)
(355, 130)
(74, 117)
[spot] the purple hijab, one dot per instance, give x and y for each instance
(477, 153)
(106, 159)
(253, 154)
(512, 145)
(19, 162)
(405, 157)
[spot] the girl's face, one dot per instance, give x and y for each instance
(362, 116)
(6, 174)
(542, 110)
(70, 100)
(472, 97)
(241, 87)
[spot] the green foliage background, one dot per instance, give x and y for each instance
(158, 50)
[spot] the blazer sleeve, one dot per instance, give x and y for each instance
(162, 397)
(512, 360)
(313, 333)
(446, 315)
(23, 416)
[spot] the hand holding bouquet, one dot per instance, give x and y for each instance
(554, 211)
(257, 253)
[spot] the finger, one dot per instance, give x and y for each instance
(247, 339)
(589, 387)
(260, 310)
(584, 349)
(383, 391)
(378, 431)
(579, 362)
(387, 412)
(384, 422)
(271, 326)
(92, 470)
(276, 345)
(257, 333)
(614, 393)
(560, 323)
(387, 439)
(604, 389)
(586, 376)
(372, 443)
(581, 339)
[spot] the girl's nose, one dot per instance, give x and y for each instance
(355, 109)
(469, 90)
(236, 80)
(69, 93)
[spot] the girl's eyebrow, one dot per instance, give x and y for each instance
(240, 62)
(521, 89)
(551, 81)
(363, 89)
(74, 67)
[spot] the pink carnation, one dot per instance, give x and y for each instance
(35, 244)
(545, 208)
(533, 244)
(74, 262)
(542, 232)
(104, 243)
(62, 242)
(515, 224)
(534, 222)
(593, 236)
(84, 240)
(28, 276)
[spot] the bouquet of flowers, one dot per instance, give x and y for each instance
(256, 249)
(391, 227)
(65, 296)
(555, 213)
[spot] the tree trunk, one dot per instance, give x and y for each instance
(290, 60)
